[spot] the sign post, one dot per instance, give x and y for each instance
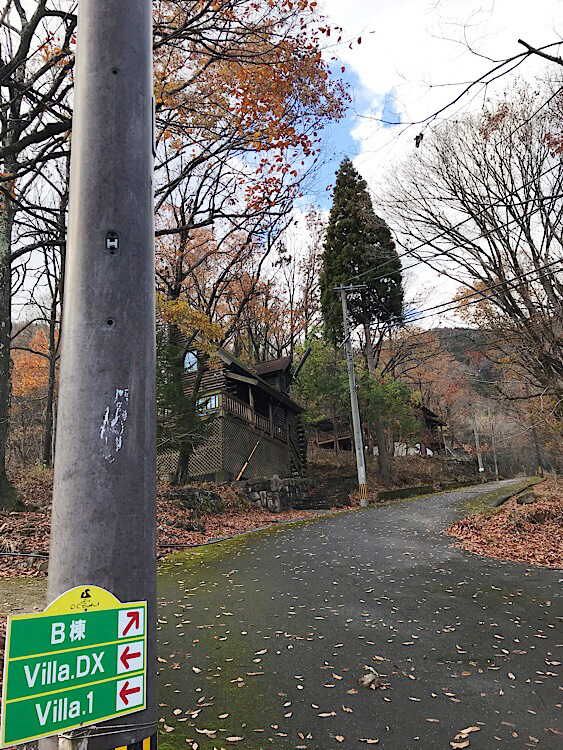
(81, 661)
(103, 528)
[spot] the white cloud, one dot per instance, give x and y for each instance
(419, 49)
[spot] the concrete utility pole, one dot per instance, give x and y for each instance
(103, 525)
(494, 441)
(356, 423)
(478, 445)
(536, 442)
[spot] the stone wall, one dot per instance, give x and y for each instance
(275, 494)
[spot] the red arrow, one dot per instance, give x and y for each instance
(134, 619)
(126, 656)
(124, 692)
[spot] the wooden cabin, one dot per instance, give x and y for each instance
(432, 431)
(336, 435)
(249, 406)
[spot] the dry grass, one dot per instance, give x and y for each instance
(524, 533)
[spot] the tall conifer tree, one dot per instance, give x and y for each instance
(359, 249)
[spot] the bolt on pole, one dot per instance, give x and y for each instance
(103, 518)
(356, 423)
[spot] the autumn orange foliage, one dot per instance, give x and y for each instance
(30, 367)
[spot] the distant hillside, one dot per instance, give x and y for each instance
(469, 346)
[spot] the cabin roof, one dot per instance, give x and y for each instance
(231, 361)
(431, 417)
(273, 365)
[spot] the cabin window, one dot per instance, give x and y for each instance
(190, 361)
(208, 404)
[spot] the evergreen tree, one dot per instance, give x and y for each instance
(359, 249)
(359, 244)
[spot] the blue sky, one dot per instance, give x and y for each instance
(409, 58)
(339, 141)
(339, 138)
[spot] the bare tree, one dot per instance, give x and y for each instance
(35, 61)
(481, 202)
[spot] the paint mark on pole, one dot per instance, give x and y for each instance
(112, 430)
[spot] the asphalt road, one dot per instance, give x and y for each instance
(264, 639)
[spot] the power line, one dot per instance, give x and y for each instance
(480, 292)
(456, 306)
(427, 242)
(479, 237)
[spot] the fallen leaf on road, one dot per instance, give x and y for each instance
(459, 745)
(469, 730)
(369, 742)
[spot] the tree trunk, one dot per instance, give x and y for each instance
(186, 448)
(383, 457)
(54, 327)
(335, 432)
(8, 498)
(47, 453)
(369, 440)
(182, 467)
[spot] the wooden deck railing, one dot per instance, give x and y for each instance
(280, 432)
(240, 409)
(263, 423)
(244, 411)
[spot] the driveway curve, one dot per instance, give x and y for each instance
(263, 639)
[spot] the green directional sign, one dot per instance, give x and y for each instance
(81, 661)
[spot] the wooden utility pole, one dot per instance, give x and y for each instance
(356, 422)
(103, 523)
